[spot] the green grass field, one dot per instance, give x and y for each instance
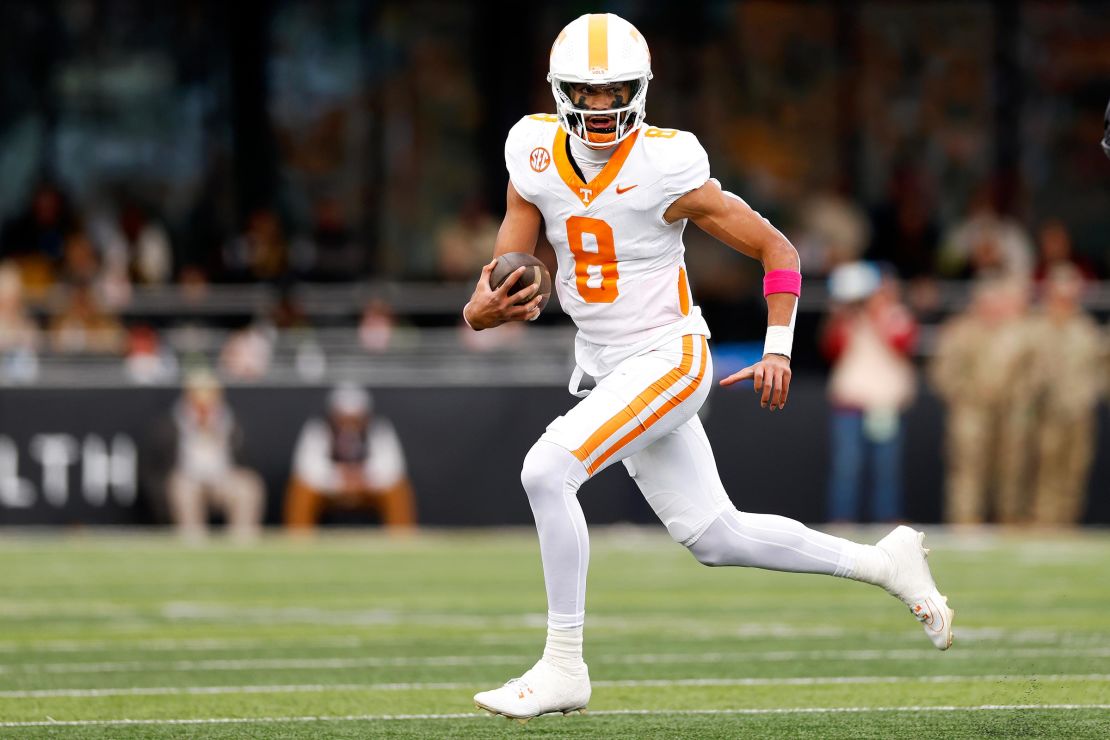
(357, 635)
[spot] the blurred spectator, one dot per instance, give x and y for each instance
(205, 475)
(80, 261)
(261, 252)
(375, 329)
(148, 359)
(835, 232)
(1054, 248)
(288, 312)
(981, 370)
(330, 251)
(310, 360)
(986, 244)
(350, 460)
(40, 231)
(138, 244)
(82, 264)
(464, 242)
(83, 327)
(193, 282)
(867, 338)
(19, 334)
(905, 232)
(247, 353)
(1069, 366)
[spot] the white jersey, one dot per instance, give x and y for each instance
(622, 276)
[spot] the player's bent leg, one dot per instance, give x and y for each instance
(678, 477)
(897, 563)
(773, 543)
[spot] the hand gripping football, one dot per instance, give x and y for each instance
(509, 262)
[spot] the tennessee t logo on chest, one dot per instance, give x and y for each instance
(585, 194)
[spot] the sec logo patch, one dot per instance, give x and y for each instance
(539, 159)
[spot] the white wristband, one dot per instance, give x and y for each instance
(466, 320)
(779, 341)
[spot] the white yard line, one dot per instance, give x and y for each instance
(602, 713)
(188, 611)
(182, 644)
(854, 655)
(757, 631)
(631, 683)
(139, 666)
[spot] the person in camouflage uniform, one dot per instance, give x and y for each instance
(1069, 370)
(980, 370)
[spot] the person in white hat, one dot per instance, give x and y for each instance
(352, 459)
(867, 338)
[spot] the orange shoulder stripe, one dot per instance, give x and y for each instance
(588, 192)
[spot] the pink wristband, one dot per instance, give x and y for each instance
(782, 281)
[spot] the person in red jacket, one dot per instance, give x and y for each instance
(867, 338)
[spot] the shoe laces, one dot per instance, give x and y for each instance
(519, 685)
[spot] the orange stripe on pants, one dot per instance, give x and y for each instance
(641, 402)
(659, 414)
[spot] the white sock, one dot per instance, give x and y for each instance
(564, 649)
(872, 565)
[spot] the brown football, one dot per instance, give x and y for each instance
(509, 262)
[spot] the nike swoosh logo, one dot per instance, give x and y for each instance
(622, 191)
(934, 618)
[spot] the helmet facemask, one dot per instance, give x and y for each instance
(600, 128)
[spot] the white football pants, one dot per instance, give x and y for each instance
(644, 414)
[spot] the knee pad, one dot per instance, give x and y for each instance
(718, 546)
(706, 552)
(549, 467)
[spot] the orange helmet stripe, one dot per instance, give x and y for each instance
(599, 42)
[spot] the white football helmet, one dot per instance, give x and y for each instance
(600, 49)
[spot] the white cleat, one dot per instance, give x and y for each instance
(914, 585)
(541, 690)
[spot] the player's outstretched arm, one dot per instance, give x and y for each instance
(519, 231)
(732, 221)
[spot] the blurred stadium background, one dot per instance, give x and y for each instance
(296, 194)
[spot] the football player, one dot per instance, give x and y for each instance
(613, 194)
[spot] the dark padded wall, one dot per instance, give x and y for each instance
(465, 445)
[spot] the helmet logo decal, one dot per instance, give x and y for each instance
(539, 159)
